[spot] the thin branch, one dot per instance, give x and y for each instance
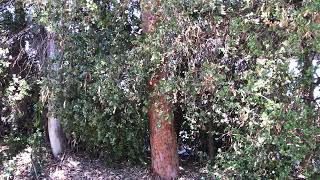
(7, 41)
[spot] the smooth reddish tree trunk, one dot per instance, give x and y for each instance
(163, 139)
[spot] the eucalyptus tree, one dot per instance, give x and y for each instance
(55, 130)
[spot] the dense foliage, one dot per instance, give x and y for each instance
(97, 101)
(21, 59)
(229, 65)
(243, 78)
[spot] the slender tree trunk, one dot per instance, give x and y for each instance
(163, 139)
(55, 134)
(55, 131)
(211, 145)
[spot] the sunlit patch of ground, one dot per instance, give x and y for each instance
(18, 167)
(79, 166)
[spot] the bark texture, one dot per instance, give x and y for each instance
(163, 140)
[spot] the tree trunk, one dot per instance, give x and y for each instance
(211, 145)
(55, 135)
(163, 139)
(55, 131)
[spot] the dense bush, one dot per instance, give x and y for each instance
(244, 73)
(98, 93)
(229, 67)
(21, 60)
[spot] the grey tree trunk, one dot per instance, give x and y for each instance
(56, 134)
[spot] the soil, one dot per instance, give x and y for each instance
(80, 166)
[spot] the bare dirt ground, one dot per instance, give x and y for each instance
(79, 166)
